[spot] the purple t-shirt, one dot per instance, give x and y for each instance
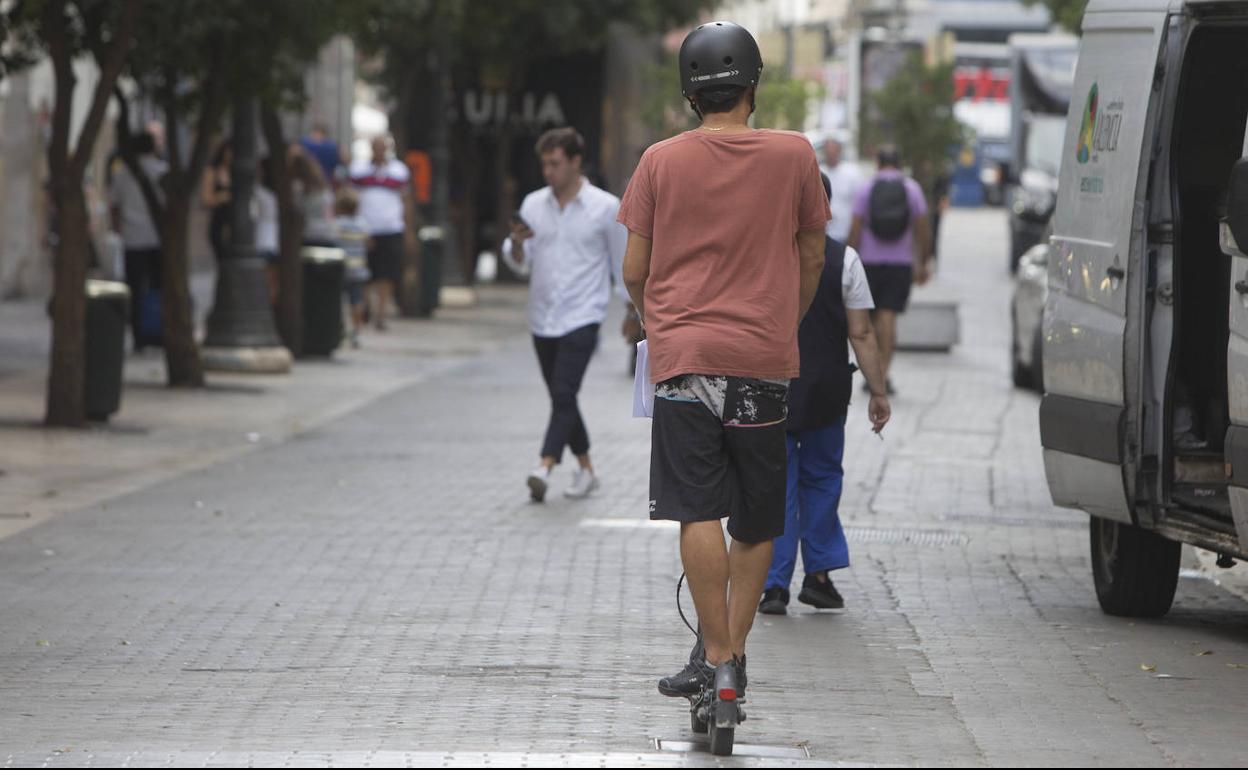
(898, 252)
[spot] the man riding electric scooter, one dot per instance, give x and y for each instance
(726, 233)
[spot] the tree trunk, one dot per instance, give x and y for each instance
(182, 361)
(66, 406)
(290, 267)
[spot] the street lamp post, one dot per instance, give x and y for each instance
(242, 336)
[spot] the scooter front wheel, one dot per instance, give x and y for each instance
(699, 726)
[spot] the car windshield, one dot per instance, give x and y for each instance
(1045, 135)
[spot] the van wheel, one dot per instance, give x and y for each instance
(1136, 571)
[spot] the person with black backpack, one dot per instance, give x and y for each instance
(892, 232)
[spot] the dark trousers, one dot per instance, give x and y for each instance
(564, 360)
(812, 513)
(143, 275)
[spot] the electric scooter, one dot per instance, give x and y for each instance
(715, 711)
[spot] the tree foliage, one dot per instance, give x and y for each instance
(1067, 13)
(498, 37)
(782, 102)
(193, 57)
(914, 111)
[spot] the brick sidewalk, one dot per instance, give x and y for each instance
(379, 590)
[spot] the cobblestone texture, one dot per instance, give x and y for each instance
(379, 591)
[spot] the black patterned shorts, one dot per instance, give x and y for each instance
(718, 449)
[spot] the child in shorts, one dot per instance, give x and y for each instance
(353, 239)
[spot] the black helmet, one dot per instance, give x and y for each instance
(719, 53)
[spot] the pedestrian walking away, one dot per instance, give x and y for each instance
(322, 147)
(845, 179)
(892, 233)
(726, 233)
(818, 403)
(140, 238)
(385, 204)
(566, 238)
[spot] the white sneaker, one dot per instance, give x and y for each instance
(539, 482)
(583, 483)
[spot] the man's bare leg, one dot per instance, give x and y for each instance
(705, 557)
(747, 568)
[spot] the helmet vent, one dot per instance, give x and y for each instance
(728, 60)
(693, 65)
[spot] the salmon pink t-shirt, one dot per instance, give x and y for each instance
(722, 212)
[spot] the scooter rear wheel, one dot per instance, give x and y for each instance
(721, 740)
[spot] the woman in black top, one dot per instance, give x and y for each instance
(215, 193)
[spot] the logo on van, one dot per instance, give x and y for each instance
(1087, 129)
(1098, 133)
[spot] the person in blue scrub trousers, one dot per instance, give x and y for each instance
(840, 317)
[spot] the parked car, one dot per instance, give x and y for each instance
(1031, 288)
(1032, 202)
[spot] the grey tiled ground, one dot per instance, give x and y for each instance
(379, 591)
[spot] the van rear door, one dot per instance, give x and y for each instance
(1234, 232)
(1096, 265)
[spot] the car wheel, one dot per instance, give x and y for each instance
(1022, 378)
(1135, 571)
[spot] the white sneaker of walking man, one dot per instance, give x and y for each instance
(583, 483)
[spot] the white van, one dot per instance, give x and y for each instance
(1145, 415)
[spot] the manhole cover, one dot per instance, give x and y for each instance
(933, 537)
(738, 750)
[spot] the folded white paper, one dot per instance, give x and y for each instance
(643, 391)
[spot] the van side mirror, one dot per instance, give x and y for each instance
(1235, 226)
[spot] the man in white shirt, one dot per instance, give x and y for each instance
(845, 179)
(565, 236)
(140, 234)
(383, 183)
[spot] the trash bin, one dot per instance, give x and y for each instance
(432, 245)
(323, 268)
(108, 309)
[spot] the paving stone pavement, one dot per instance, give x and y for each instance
(379, 591)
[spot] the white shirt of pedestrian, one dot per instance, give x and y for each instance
(264, 209)
(138, 231)
(574, 256)
(381, 189)
(845, 179)
(855, 291)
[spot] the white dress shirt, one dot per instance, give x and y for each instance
(574, 256)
